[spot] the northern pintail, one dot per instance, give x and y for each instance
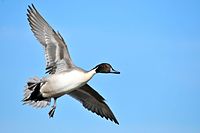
(64, 77)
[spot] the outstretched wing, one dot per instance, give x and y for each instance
(56, 52)
(93, 101)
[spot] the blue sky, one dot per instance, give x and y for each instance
(154, 44)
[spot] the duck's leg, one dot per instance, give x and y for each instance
(53, 108)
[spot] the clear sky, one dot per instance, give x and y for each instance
(154, 44)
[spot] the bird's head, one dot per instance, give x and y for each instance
(105, 68)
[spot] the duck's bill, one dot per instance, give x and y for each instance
(114, 71)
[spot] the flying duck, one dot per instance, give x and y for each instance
(64, 77)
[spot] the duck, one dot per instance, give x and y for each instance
(63, 76)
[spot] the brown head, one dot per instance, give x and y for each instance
(105, 68)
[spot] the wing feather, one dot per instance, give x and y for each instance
(93, 101)
(55, 47)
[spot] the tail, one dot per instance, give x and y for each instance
(32, 94)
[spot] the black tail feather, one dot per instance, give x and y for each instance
(32, 94)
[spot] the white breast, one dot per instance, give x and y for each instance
(62, 83)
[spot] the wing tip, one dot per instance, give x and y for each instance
(31, 9)
(31, 6)
(112, 118)
(115, 121)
